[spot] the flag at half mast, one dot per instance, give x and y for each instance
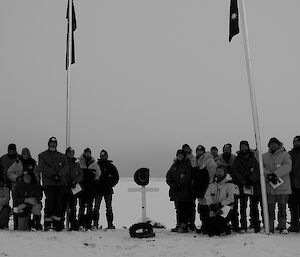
(74, 26)
(233, 19)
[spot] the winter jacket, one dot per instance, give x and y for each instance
(295, 172)
(75, 174)
(207, 161)
(279, 163)
(109, 177)
(245, 172)
(200, 182)
(222, 192)
(23, 190)
(15, 171)
(5, 162)
(192, 159)
(179, 179)
(30, 166)
(221, 160)
(51, 164)
(91, 172)
(4, 197)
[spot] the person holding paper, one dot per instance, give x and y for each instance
(245, 173)
(74, 177)
(219, 197)
(277, 167)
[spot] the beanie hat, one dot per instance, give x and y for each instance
(52, 140)
(103, 152)
(12, 147)
(87, 150)
(244, 142)
(180, 151)
(274, 140)
(69, 150)
(185, 146)
(200, 148)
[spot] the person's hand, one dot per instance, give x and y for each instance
(272, 178)
(73, 184)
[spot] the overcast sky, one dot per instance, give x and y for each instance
(150, 75)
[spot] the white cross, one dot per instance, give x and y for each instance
(143, 190)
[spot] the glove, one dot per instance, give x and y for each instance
(272, 178)
(56, 177)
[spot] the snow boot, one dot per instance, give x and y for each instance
(109, 218)
(37, 222)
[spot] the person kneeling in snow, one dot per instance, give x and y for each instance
(27, 196)
(220, 199)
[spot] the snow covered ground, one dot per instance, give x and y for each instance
(127, 210)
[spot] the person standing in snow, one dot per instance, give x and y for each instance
(29, 164)
(109, 178)
(220, 196)
(91, 172)
(179, 179)
(74, 176)
(192, 213)
(294, 202)
(277, 167)
(245, 173)
(53, 166)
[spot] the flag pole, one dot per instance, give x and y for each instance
(68, 107)
(254, 115)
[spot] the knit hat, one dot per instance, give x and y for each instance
(103, 153)
(87, 150)
(69, 150)
(185, 146)
(12, 147)
(274, 140)
(244, 142)
(200, 148)
(52, 140)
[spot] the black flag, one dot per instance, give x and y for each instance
(74, 26)
(233, 19)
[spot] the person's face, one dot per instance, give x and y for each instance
(244, 148)
(199, 152)
(27, 178)
(103, 156)
(11, 152)
(70, 154)
(227, 150)
(214, 152)
(87, 155)
(220, 173)
(187, 150)
(52, 146)
(180, 157)
(296, 143)
(25, 155)
(273, 146)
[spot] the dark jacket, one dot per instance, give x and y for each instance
(30, 166)
(295, 173)
(90, 170)
(245, 172)
(23, 190)
(200, 182)
(109, 177)
(53, 163)
(179, 178)
(75, 174)
(5, 162)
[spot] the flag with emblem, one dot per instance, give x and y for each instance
(74, 26)
(233, 19)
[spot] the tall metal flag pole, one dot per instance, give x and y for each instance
(68, 66)
(254, 114)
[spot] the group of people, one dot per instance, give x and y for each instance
(64, 180)
(223, 184)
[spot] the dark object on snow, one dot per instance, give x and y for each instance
(147, 230)
(141, 177)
